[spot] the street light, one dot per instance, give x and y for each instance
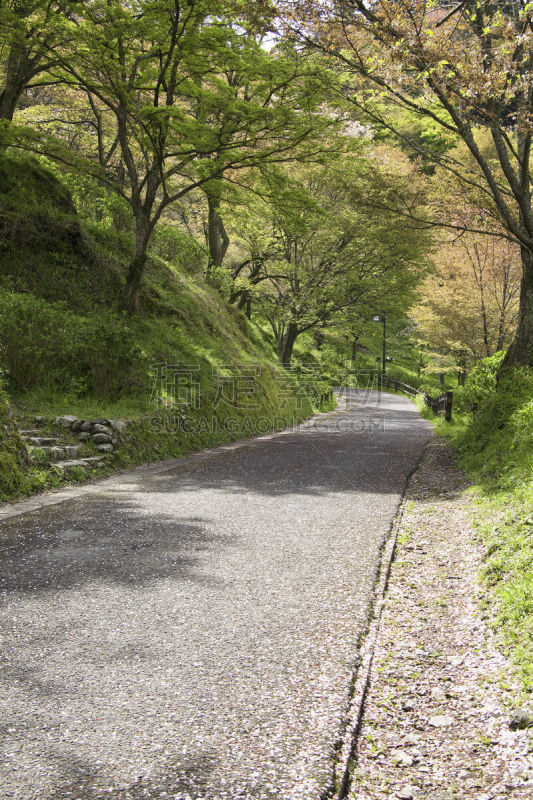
(383, 318)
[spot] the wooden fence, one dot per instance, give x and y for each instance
(442, 406)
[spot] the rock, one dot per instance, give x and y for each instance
(118, 425)
(70, 464)
(101, 438)
(521, 719)
(86, 427)
(438, 694)
(105, 448)
(84, 436)
(100, 421)
(97, 427)
(456, 661)
(441, 721)
(407, 705)
(403, 759)
(72, 451)
(76, 426)
(406, 793)
(66, 421)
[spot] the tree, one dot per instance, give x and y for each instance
(167, 121)
(29, 33)
(469, 307)
(466, 67)
(325, 254)
(287, 88)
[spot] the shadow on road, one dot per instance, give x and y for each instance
(78, 542)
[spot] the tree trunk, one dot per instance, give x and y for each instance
(501, 331)
(318, 336)
(15, 81)
(484, 318)
(286, 344)
(245, 302)
(503, 313)
(354, 347)
(134, 280)
(520, 353)
(217, 238)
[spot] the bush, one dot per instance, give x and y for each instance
(46, 344)
(431, 390)
(172, 244)
(480, 384)
(13, 455)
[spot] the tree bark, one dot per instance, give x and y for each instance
(137, 268)
(217, 238)
(355, 344)
(286, 344)
(520, 353)
(18, 73)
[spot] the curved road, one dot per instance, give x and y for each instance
(190, 630)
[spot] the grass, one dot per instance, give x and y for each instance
(494, 445)
(68, 348)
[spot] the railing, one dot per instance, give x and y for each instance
(442, 406)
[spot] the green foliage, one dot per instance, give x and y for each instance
(480, 384)
(430, 389)
(47, 344)
(45, 249)
(91, 200)
(13, 455)
(173, 245)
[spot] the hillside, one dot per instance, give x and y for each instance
(187, 372)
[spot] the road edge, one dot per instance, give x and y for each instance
(54, 497)
(367, 647)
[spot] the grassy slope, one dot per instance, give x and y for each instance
(495, 445)
(67, 348)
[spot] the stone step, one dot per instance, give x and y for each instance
(77, 462)
(26, 434)
(41, 441)
(85, 463)
(56, 453)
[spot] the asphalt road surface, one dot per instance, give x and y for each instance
(191, 632)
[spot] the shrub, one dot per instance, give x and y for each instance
(480, 384)
(13, 455)
(172, 244)
(431, 390)
(46, 344)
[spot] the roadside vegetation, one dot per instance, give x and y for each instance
(492, 433)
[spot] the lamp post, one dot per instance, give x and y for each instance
(383, 318)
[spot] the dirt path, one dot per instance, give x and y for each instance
(436, 723)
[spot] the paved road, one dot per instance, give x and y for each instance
(192, 633)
